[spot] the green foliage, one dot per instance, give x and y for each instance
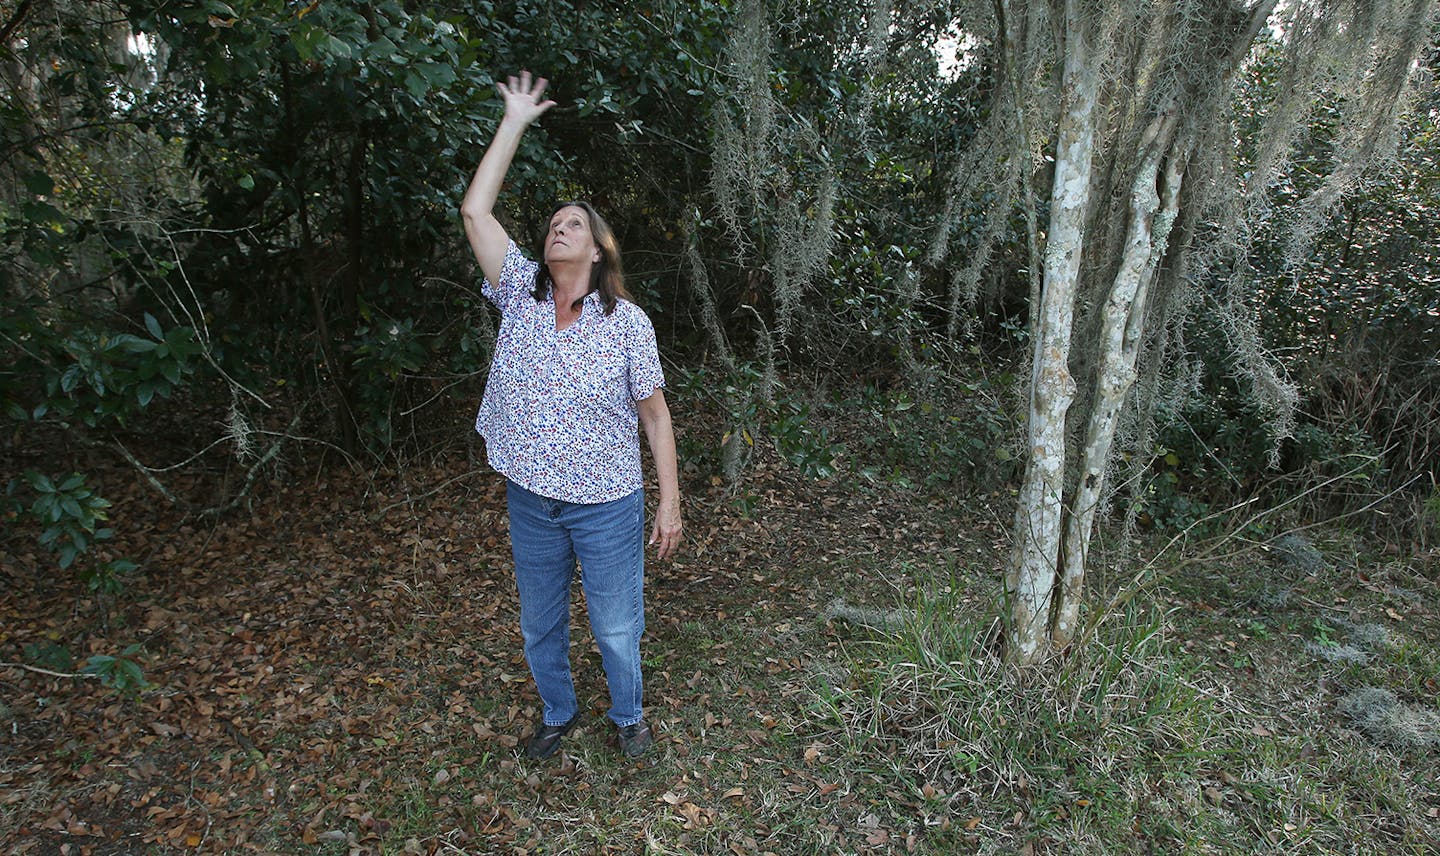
(70, 514)
(108, 578)
(121, 672)
(1353, 321)
(804, 445)
(962, 437)
(1430, 509)
(788, 422)
(384, 351)
(1324, 633)
(74, 368)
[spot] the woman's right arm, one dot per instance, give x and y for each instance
(523, 105)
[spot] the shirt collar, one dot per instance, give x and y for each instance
(590, 299)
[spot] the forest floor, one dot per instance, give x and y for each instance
(338, 670)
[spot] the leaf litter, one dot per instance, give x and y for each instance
(328, 676)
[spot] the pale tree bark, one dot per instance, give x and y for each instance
(1053, 528)
(1036, 558)
(1146, 238)
(1153, 205)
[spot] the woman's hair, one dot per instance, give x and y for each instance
(606, 276)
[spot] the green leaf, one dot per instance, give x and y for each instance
(42, 213)
(153, 326)
(135, 677)
(97, 664)
(246, 181)
(39, 184)
(70, 379)
(437, 74)
(416, 85)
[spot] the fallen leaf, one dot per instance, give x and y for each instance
(691, 812)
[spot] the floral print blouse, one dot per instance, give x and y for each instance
(559, 416)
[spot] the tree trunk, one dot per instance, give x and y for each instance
(1146, 238)
(335, 369)
(1037, 558)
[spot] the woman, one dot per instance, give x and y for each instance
(575, 366)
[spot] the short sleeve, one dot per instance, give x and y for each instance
(517, 278)
(642, 356)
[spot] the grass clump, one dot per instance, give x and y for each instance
(1171, 730)
(1107, 750)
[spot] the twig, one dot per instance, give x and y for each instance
(48, 671)
(149, 474)
(186, 462)
(15, 21)
(443, 390)
(254, 472)
(436, 489)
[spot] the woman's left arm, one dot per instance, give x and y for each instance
(655, 416)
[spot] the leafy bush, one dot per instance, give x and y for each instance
(807, 447)
(961, 435)
(74, 368)
(69, 514)
(121, 672)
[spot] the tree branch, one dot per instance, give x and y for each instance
(41, 671)
(15, 20)
(254, 472)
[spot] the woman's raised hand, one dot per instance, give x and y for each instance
(522, 98)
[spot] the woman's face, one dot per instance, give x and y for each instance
(570, 238)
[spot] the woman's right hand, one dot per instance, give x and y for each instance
(522, 98)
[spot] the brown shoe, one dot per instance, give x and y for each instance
(546, 739)
(635, 739)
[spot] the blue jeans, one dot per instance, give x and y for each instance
(546, 537)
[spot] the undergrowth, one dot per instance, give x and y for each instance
(1131, 744)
